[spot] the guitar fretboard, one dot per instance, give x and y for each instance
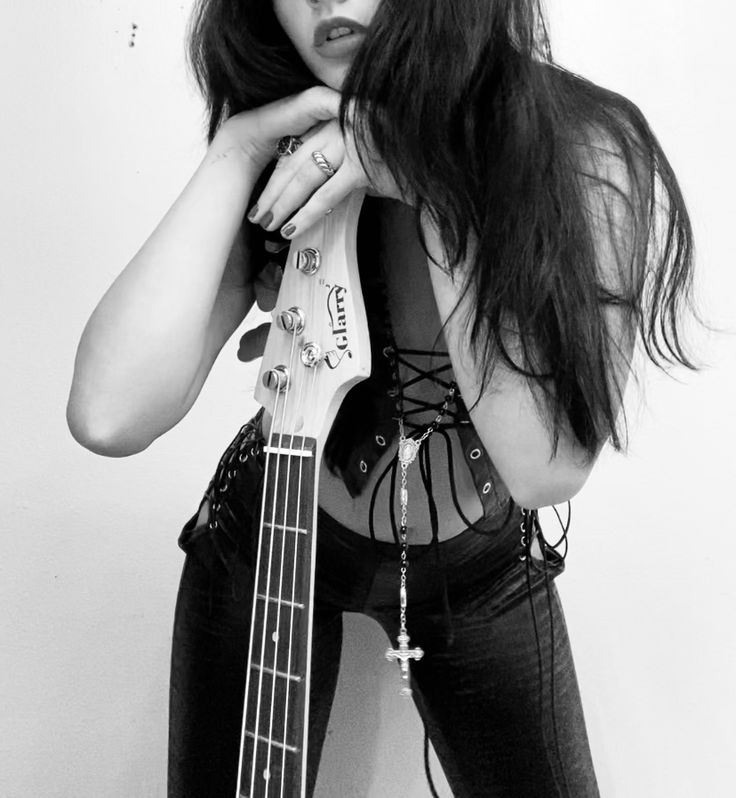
(275, 718)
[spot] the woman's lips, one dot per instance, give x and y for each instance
(343, 45)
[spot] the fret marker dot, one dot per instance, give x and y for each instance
(275, 637)
(266, 774)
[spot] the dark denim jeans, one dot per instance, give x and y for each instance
(496, 687)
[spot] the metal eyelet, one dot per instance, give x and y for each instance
(380, 440)
(487, 488)
(475, 454)
(363, 466)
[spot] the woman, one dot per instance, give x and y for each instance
(522, 227)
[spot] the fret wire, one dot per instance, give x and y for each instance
(278, 744)
(281, 674)
(287, 528)
(282, 601)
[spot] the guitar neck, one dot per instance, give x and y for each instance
(318, 347)
(274, 735)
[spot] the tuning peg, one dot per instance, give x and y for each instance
(276, 379)
(291, 320)
(308, 260)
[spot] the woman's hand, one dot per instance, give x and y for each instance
(300, 193)
(254, 134)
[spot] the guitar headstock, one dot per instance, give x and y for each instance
(318, 346)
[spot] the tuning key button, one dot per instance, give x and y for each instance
(311, 355)
(291, 320)
(308, 260)
(276, 379)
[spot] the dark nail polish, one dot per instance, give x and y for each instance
(287, 230)
(267, 219)
(253, 213)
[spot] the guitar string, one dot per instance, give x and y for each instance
(252, 634)
(268, 575)
(281, 427)
(275, 637)
(278, 642)
(307, 675)
(255, 602)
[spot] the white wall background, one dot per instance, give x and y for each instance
(98, 137)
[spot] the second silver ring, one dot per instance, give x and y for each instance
(323, 163)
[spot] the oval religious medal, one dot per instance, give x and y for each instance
(408, 449)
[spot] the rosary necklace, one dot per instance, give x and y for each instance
(407, 452)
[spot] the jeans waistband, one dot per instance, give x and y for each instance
(352, 567)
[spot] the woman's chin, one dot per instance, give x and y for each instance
(333, 77)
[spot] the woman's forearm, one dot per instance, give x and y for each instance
(506, 418)
(141, 357)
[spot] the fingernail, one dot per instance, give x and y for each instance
(287, 230)
(253, 213)
(267, 219)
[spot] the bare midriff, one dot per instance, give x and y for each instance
(416, 325)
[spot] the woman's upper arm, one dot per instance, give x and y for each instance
(234, 299)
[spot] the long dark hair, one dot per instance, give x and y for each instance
(553, 191)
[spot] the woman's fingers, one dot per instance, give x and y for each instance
(302, 111)
(294, 181)
(301, 189)
(330, 194)
(267, 286)
(257, 131)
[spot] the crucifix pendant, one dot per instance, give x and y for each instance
(403, 654)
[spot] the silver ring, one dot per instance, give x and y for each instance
(288, 145)
(323, 163)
